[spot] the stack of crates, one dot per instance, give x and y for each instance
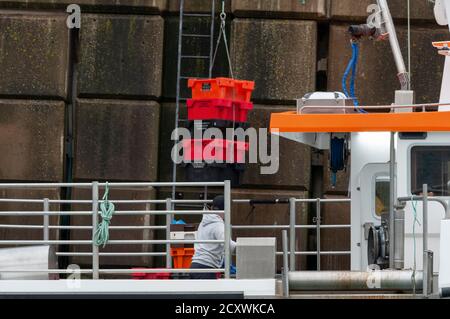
(182, 253)
(220, 103)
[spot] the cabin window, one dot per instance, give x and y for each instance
(430, 165)
(382, 195)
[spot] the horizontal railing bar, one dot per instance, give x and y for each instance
(157, 271)
(322, 200)
(392, 106)
(112, 271)
(157, 201)
(84, 227)
(111, 242)
(114, 185)
(314, 253)
(111, 254)
(88, 201)
(287, 226)
(164, 227)
(117, 213)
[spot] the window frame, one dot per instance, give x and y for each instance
(409, 161)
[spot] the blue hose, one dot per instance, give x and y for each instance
(352, 67)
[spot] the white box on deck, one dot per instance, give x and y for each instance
(255, 258)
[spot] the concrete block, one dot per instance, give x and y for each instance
(283, 67)
(116, 140)
(150, 6)
(348, 10)
(107, 261)
(27, 234)
(335, 239)
(121, 55)
(280, 8)
(244, 214)
(33, 54)
(294, 158)
(377, 75)
(31, 140)
(191, 46)
(255, 258)
(167, 125)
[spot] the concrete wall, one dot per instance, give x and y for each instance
(99, 105)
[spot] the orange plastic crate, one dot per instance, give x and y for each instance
(222, 88)
(182, 257)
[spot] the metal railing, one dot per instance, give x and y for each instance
(293, 227)
(94, 213)
(169, 211)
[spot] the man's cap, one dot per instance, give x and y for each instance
(219, 203)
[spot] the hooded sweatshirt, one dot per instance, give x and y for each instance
(212, 227)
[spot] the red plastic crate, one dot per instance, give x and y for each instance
(218, 109)
(182, 257)
(213, 150)
(146, 276)
(222, 88)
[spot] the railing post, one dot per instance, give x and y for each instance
(318, 218)
(227, 219)
(292, 233)
(168, 223)
(46, 208)
(425, 217)
(285, 274)
(425, 260)
(95, 249)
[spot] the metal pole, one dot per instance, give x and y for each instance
(95, 250)
(393, 39)
(168, 223)
(392, 202)
(425, 253)
(292, 241)
(227, 207)
(178, 90)
(428, 273)
(318, 217)
(46, 234)
(425, 217)
(386, 280)
(285, 264)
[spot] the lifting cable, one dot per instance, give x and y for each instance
(101, 236)
(223, 33)
(352, 67)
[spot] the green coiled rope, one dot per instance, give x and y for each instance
(101, 236)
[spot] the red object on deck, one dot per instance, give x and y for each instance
(215, 150)
(145, 276)
(218, 109)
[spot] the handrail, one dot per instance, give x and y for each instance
(168, 212)
(382, 107)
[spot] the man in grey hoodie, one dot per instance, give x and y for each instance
(210, 256)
